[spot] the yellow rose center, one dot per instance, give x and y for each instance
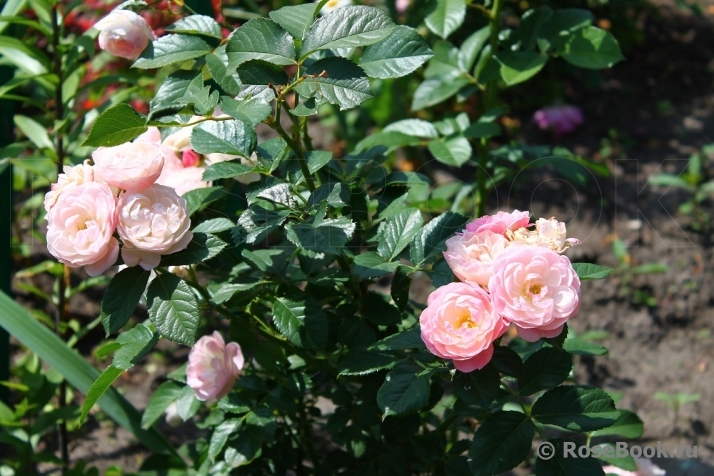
(332, 3)
(463, 317)
(534, 289)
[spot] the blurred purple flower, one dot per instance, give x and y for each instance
(560, 119)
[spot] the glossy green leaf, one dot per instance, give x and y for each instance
(165, 395)
(371, 265)
(336, 81)
(121, 297)
(33, 130)
(101, 385)
(256, 223)
(400, 288)
(336, 194)
(434, 91)
(227, 169)
(115, 126)
(261, 73)
(564, 21)
(446, 17)
(531, 25)
(224, 137)
(197, 25)
(295, 19)
(591, 271)
(171, 49)
(361, 362)
(405, 390)
(173, 308)
(402, 52)
(454, 151)
(201, 248)
(303, 322)
(544, 369)
(174, 91)
(226, 78)
(220, 436)
(261, 39)
(199, 198)
(519, 66)
(347, 27)
(135, 344)
(500, 443)
(430, 239)
(592, 48)
(413, 127)
(563, 466)
(397, 231)
(576, 408)
(628, 425)
(478, 388)
(251, 110)
(327, 236)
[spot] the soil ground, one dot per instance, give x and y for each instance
(660, 105)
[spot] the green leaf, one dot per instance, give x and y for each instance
(227, 291)
(226, 78)
(576, 408)
(406, 339)
(434, 91)
(361, 362)
(347, 27)
(165, 395)
(261, 73)
(115, 126)
(173, 308)
(174, 91)
(33, 130)
(559, 465)
(261, 39)
(500, 443)
(256, 223)
(51, 349)
(203, 246)
(336, 81)
(531, 25)
(220, 436)
(327, 236)
(519, 66)
(507, 361)
(446, 17)
(479, 130)
(295, 19)
(561, 25)
(628, 425)
(198, 199)
(576, 346)
(303, 322)
(336, 194)
(197, 25)
(401, 53)
(592, 48)
(172, 49)
(397, 231)
(135, 343)
(224, 137)
(471, 47)
(430, 239)
(121, 297)
(375, 307)
(101, 385)
(227, 169)
(628, 462)
(440, 273)
(187, 404)
(271, 189)
(316, 159)
(478, 388)
(400, 288)
(413, 127)
(251, 110)
(544, 369)
(405, 390)
(371, 265)
(591, 271)
(455, 151)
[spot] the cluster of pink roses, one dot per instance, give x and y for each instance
(511, 273)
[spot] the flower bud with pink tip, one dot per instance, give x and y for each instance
(213, 367)
(123, 33)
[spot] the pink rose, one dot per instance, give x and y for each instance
(152, 223)
(124, 33)
(189, 158)
(500, 222)
(561, 119)
(132, 166)
(471, 255)
(549, 233)
(461, 324)
(536, 289)
(213, 367)
(81, 225)
(77, 175)
(180, 178)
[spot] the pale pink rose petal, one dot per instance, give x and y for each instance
(500, 222)
(477, 362)
(471, 255)
(132, 166)
(108, 260)
(146, 259)
(123, 33)
(213, 367)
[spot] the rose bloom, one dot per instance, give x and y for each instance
(471, 255)
(645, 467)
(560, 119)
(536, 289)
(549, 233)
(81, 225)
(152, 223)
(213, 367)
(124, 33)
(77, 175)
(460, 323)
(500, 222)
(132, 166)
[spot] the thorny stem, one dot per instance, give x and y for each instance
(297, 148)
(64, 280)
